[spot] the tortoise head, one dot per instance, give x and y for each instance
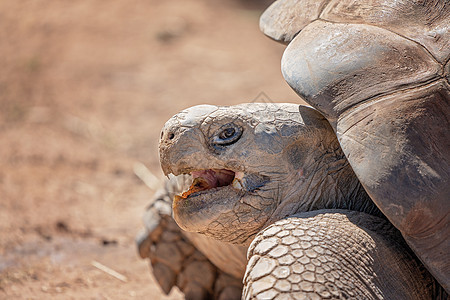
(252, 164)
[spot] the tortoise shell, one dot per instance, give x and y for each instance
(379, 72)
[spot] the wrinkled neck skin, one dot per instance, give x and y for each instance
(324, 181)
(285, 159)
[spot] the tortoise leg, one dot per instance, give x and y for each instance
(174, 259)
(176, 262)
(334, 254)
(227, 287)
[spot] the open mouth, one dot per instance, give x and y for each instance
(212, 179)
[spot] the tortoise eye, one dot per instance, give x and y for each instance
(227, 134)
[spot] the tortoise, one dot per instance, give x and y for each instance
(273, 177)
(379, 74)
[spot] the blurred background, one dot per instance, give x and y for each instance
(85, 87)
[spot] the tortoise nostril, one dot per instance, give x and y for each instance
(162, 134)
(171, 136)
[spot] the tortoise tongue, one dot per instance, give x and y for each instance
(209, 176)
(208, 179)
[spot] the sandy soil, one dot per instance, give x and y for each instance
(85, 87)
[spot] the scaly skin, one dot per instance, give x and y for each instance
(330, 254)
(289, 162)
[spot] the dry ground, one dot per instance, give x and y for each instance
(85, 87)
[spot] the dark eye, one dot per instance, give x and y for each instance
(227, 135)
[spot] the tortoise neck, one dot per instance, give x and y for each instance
(342, 190)
(325, 181)
(337, 186)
